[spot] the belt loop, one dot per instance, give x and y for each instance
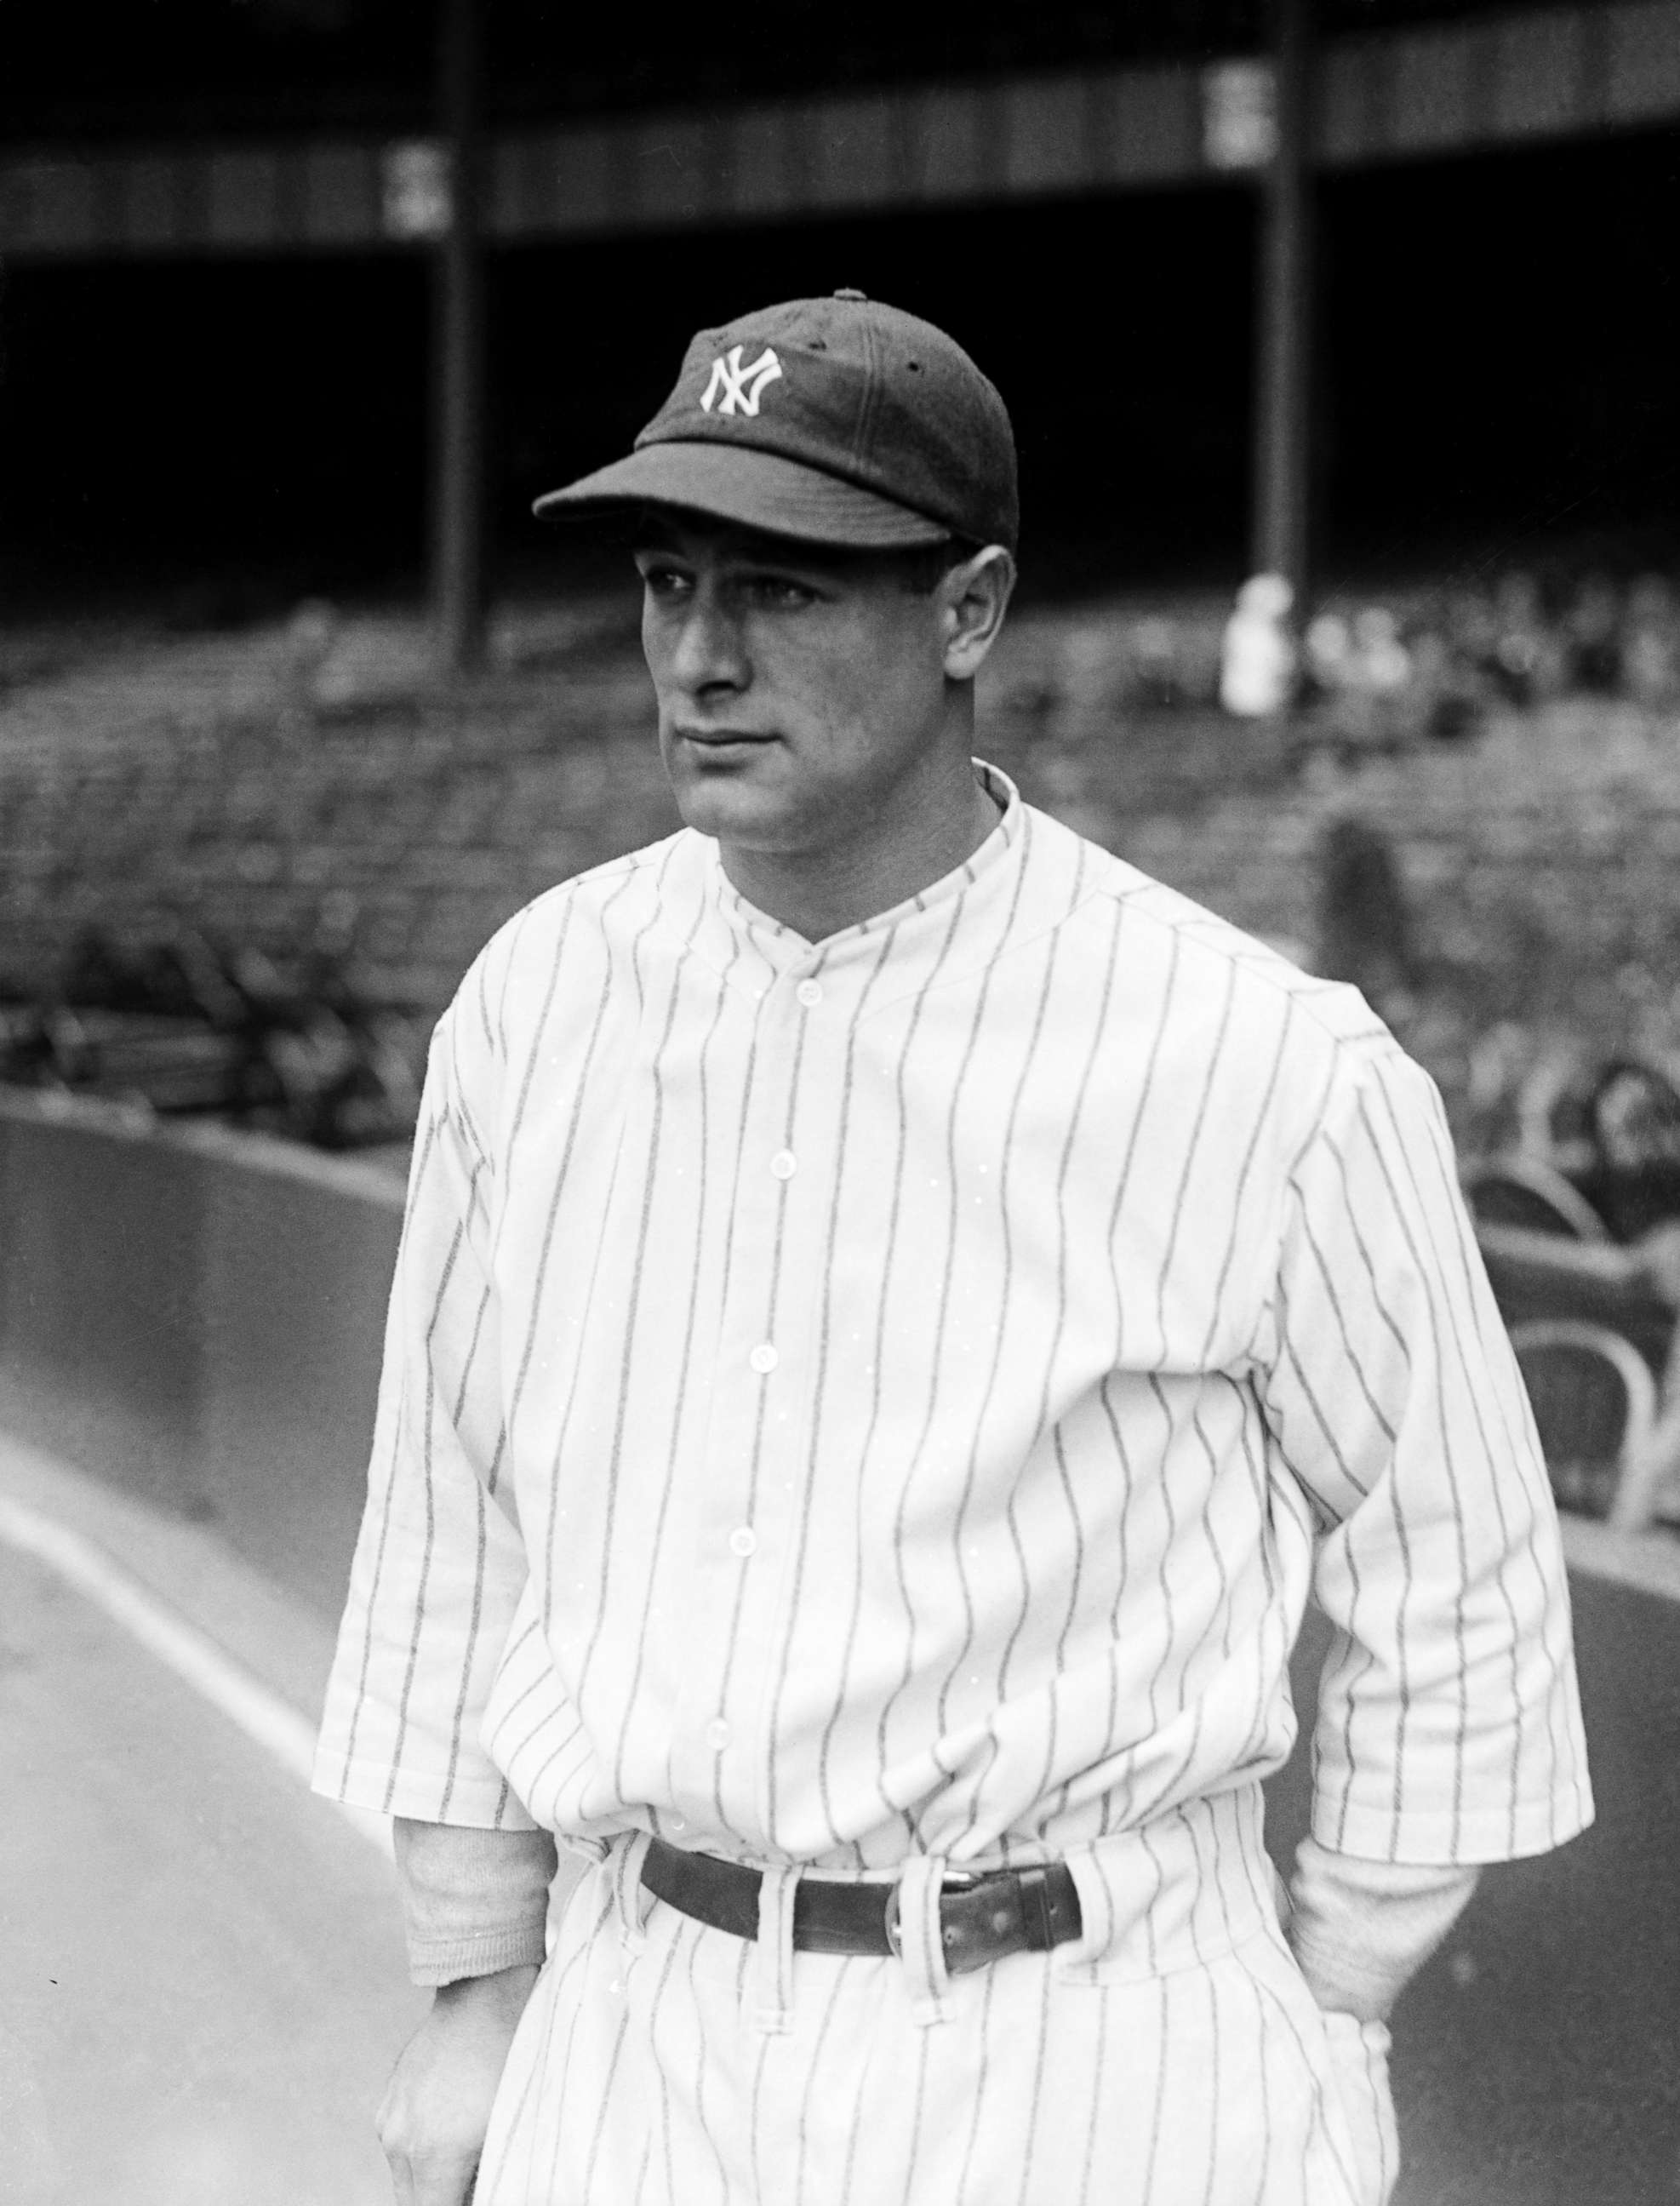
(627, 1895)
(772, 1956)
(1103, 1917)
(921, 1943)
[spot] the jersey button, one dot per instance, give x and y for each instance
(809, 992)
(763, 1357)
(743, 1540)
(717, 1734)
(784, 1164)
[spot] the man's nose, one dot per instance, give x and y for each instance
(709, 652)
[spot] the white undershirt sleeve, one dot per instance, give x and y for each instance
(473, 1901)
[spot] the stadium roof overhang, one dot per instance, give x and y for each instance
(1401, 94)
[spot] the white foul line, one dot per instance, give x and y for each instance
(274, 1725)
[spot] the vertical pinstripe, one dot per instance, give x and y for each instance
(897, 1396)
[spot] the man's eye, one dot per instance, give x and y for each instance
(663, 581)
(778, 590)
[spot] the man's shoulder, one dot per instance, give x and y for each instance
(1241, 1021)
(606, 894)
(605, 898)
(1182, 947)
(565, 929)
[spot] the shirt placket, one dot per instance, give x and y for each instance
(750, 1491)
(755, 1467)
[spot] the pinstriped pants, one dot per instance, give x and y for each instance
(1184, 2063)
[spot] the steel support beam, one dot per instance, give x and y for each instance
(1282, 457)
(458, 459)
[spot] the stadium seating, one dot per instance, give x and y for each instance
(1580, 1230)
(358, 845)
(1530, 1194)
(310, 792)
(1595, 1405)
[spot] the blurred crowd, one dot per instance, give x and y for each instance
(312, 839)
(1387, 675)
(184, 1026)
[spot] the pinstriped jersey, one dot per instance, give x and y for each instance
(897, 1394)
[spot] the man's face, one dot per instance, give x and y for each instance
(800, 688)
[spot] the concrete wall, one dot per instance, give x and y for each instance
(197, 1316)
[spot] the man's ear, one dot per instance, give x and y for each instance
(973, 598)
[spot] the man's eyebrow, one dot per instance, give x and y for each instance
(765, 553)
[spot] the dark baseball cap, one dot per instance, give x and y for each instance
(832, 421)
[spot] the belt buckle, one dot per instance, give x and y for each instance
(894, 1928)
(893, 1924)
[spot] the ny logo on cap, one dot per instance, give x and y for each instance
(740, 386)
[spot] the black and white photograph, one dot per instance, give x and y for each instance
(839, 1103)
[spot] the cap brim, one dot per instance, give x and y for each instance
(754, 489)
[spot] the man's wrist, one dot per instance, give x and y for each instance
(508, 1987)
(1361, 1929)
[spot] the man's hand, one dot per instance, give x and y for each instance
(433, 2120)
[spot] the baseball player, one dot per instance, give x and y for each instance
(896, 1314)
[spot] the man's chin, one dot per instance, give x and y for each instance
(732, 816)
(728, 802)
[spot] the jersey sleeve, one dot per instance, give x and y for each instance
(1448, 1725)
(439, 1564)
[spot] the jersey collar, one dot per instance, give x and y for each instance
(923, 914)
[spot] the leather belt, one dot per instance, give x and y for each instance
(982, 1916)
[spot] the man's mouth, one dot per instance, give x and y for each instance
(722, 739)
